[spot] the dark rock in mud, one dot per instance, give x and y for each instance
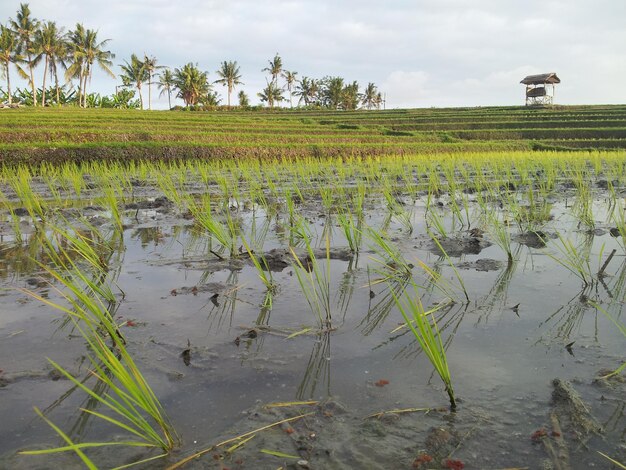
(536, 239)
(20, 212)
(604, 184)
(93, 208)
(279, 258)
(459, 245)
(211, 288)
(157, 203)
(36, 282)
(483, 264)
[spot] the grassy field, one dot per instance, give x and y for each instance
(32, 135)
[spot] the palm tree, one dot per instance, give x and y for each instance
(271, 94)
(134, 73)
(76, 58)
(244, 101)
(9, 53)
(275, 67)
(332, 91)
(85, 51)
(350, 97)
(290, 80)
(25, 27)
(150, 64)
(307, 89)
(94, 54)
(50, 42)
(211, 99)
(192, 84)
(229, 76)
(166, 84)
(371, 96)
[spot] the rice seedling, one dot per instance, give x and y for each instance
(314, 278)
(500, 234)
(352, 231)
(32, 202)
(131, 403)
(427, 335)
(265, 273)
(575, 258)
(226, 234)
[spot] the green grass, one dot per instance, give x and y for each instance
(70, 133)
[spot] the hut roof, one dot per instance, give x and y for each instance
(541, 79)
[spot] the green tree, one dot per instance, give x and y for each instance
(25, 26)
(290, 81)
(211, 99)
(332, 92)
(229, 76)
(51, 43)
(350, 97)
(271, 94)
(9, 54)
(244, 101)
(308, 90)
(275, 67)
(166, 85)
(371, 97)
(150, 64)
(85, 52)
(192, 84)
(76, 59)
(134, 73)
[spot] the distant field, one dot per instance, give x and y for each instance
(66, 134)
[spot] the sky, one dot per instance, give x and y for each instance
(420, 53)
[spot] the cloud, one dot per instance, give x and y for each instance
(419, 52)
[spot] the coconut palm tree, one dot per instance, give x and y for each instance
(244, 101)
(192, 84)
(332, 92)
(275, 67)
(84, 52)
(350, 97)
(229, 76)
(95, 54)
(290, 80)
(166, 84)
(9, 53)
(308, 90)
(51, 43)
(271, 94)
(76, 59)
(150, 64)
(371, 96)
(25, 26)
(134, 73)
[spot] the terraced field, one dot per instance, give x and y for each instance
(61, 134)
(438, 289)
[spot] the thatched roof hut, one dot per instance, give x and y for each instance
(536, 92)
(541, 79)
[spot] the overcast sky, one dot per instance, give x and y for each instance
(420, 53)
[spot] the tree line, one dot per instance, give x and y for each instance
(70, 57)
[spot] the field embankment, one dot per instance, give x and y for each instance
(32, 135)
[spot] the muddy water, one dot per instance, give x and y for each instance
(525, 325)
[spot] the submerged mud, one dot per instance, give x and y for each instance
(197, 320)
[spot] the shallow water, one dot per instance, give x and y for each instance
(502, 359)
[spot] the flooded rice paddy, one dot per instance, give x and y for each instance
(524, 273)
